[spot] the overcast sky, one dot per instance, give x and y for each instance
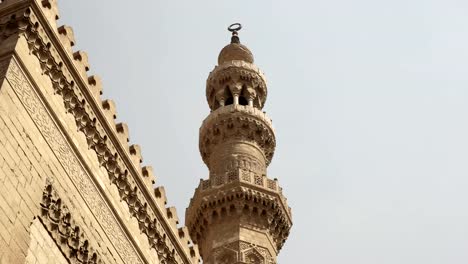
(369, 100)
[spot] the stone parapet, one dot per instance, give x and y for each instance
(233, 195)
(35, 22)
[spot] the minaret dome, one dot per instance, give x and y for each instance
(236, 80)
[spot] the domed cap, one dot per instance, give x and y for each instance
(235, 50)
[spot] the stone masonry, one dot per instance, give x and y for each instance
(72, 190)
(238, 215)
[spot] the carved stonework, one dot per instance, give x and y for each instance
(238, 215)
(69, 161)
(241, 251)
(240, 123)
(236, 77)
(67, 83)
(70, 238)
(268, 209)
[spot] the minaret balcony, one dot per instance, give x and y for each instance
(237, 130)
(258, 201)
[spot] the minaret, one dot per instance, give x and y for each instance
(238, 215)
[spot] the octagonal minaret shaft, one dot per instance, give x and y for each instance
(238, 215)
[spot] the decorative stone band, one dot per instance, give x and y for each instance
(242, 175)
(239, 198)
(237, 122)
(59, 145)
(69, 237)
(241, 252)
(237, 75)
(163, 234)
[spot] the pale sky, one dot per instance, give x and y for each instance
(369, 100)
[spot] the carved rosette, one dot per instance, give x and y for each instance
(239, 134)
(236, 78)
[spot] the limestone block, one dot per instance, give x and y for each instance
(81, 62)
(184, 235)
(67, 38)
(122, 133)
(172, 216)
(148, 175)
(50, 9)
(160, 194)
(135, 155)
(95, 85)
(109, 110)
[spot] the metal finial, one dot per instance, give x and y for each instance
(234, 28)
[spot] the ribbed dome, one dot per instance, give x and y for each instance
(235, 51)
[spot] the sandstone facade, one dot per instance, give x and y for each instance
(72, 190)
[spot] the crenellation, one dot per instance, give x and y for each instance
(81, 62)
(98, 175)
(95, 84)
(108, 106)
(160, 195)
(51, 11)
(148, 176)
(122, 133)
(68, 85)
(135, 154)
(67, 38)
(171, 214)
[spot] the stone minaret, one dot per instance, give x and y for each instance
(238, 215)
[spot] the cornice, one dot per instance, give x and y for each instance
(69, 237)
(237, 122)
(68, 78)
(271, 206)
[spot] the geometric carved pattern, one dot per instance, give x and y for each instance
(25, 23)
(70, 238)
(270, 210)
(237, 122)
(237, 142)
(258, 180)
(242, 251)
(87, 122)
(70, 163)
(252, 256)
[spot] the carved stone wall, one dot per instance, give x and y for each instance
(82, 180)
(53, 124)
(42, 248)
(69, 237)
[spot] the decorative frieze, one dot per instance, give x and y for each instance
(70, 163)
(70, 238)
(67, 82)
(240, 123)
(269, 208)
